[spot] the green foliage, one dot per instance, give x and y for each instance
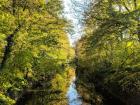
(33, 41)
(4, 100)
(109, 51)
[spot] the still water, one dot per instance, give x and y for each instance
(41, 97)
(72, 94)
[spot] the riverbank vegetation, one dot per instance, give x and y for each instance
(34, 50)
(108, 53)
(36, 58)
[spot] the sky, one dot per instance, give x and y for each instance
(71, 12)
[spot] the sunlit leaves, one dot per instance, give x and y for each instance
(39, 46)
(4, 100)
(7, 23)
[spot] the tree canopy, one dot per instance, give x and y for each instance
(34, 45)
(108, 52)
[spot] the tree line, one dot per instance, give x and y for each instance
(34, 48)
(108, 52)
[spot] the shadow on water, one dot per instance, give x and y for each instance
(41, 97)
(72, 94)
(46, 97)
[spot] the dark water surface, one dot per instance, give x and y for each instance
(42, 97)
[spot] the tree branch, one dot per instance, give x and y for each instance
(9, 40)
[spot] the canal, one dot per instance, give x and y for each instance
(72, 94)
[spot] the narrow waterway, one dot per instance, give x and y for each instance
(72, 94)
(43, 97)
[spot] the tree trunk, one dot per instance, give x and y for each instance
(8, 47)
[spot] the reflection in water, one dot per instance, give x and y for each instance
(73, 96)
(44, 97)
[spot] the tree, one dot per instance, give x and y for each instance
(109, 50)
(34, 44)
